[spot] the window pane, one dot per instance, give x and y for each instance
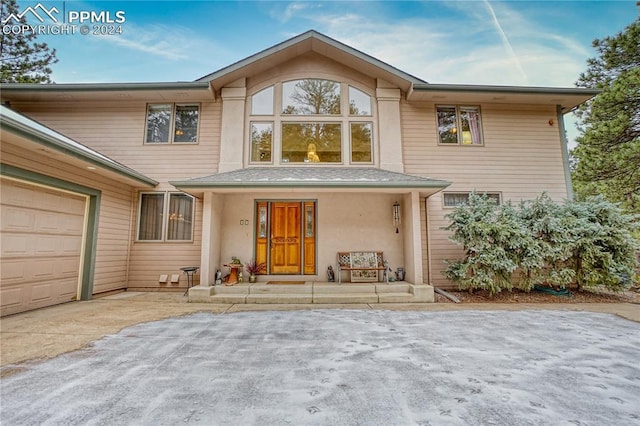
(180, 217)
(359, 102)
(470, 121)
(311, 96)
(158, 123)
(186, 128)
(311, 142)
(447, 126)
(150, 225)
(261, 140)
(453, 200)
(262, 102)
(361, 142)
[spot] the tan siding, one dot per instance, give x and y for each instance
(113, 229)
(117, 130)
(151, 259)
(521, 158)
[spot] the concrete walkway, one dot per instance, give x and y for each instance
(48, 332)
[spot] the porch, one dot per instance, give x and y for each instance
(313, 292)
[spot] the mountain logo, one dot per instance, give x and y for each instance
(37, 11)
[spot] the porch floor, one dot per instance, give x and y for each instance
(313, 292)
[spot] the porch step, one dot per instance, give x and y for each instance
(344, 289)
(395, 297)
(345, 298)
(276, 298)
(313, 293)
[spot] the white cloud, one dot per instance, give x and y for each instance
(471, 47)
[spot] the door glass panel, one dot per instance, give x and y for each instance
(262, 217)
(308, 221)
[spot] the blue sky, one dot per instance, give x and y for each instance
(539, 43)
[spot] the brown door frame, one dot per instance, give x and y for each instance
(307, 254)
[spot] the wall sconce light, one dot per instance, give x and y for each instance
(396, 216)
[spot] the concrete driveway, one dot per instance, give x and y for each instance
(342, 367)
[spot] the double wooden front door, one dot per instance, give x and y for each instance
(285, 238)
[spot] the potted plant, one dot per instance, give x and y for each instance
(254, 268)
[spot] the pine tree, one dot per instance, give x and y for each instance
(22, 58)
(607, 158)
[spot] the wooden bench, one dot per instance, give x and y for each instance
(370, 263)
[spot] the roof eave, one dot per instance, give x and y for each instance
(29, 129)
(310, 35)
(568, 97)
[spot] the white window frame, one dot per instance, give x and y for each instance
(458, 109)
(165, 219)
(172, 123)
(278, 119)
(467, 194)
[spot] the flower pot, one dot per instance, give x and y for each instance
(252, 278)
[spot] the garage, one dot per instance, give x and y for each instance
(42, 234)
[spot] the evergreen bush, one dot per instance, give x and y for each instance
(583, 244)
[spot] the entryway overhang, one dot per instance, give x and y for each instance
(317, 179)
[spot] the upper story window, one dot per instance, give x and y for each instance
(459, 125)
(172, 123)
(312, 121)
(165, 217)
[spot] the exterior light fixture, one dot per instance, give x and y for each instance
(396, 216)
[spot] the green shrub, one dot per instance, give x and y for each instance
(586, 244)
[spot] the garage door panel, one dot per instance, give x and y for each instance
(16, 245)
(18, 219)
(11, 297)
(12, 271)
(41, 292)
(42, 240)
(46, 245)
(71, 246)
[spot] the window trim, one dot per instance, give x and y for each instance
(278, 118)
(458, 108)
(468, 193)
(172, 123)
(351, 123)
(166, 200)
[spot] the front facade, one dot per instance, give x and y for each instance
(288, 157)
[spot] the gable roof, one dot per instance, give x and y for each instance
(316, 42)
(28, 129)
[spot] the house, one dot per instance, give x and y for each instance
(289, 156)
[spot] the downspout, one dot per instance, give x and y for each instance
(564, 146)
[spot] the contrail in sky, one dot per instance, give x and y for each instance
(505, 41)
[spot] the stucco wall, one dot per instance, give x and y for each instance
(345, 222)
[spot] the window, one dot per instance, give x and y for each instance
(172, 123)
(459, 125)
(262, 102)
(310, 121)
(454, 199)
(155, 225)
(311, 142)
(261, 141)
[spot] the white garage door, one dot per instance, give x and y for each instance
(41, 234)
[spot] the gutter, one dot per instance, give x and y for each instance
(23, 126)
